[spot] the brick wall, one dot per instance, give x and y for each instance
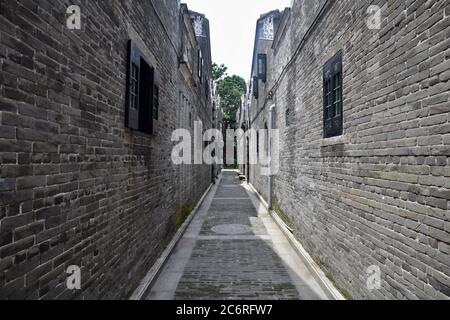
(379, 195)
(76, 186)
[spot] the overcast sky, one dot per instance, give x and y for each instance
(233, 24)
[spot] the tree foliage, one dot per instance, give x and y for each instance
(230, 89)
(218, 72)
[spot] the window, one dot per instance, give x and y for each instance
(262, 67)
(266, 137)
(255, 87)
(142, 94)
(289, 117)
(200, 65)
(134, 86)
(257, 143)
(156, 103)
(332, 97)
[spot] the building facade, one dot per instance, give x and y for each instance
(361, 90)
(217, 124)
(87, 116)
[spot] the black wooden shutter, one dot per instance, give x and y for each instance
(200, 66)
(132, 90)
(199, 57)
(146, 98)
(202, 69)
(156, 86)
(262, 67)
(255, 87)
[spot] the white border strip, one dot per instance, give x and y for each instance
(157, 267)
(329, 288)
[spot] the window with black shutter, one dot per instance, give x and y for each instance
(134, 86)
(257, 143)
(332, 97)
(266, 138)
(132, 92)
(289, 117)
(145, 97)
(262, 67)
(155, 97)
(142, 94)
(200, 65)
(255, 87)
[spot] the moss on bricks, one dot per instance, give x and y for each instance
(276, 208)
(183, 213)
(343, 291)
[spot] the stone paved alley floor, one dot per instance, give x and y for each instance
(234, 250)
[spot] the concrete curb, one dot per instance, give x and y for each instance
(156, 269)
(329, 288)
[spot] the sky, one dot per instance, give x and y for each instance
(233, 24)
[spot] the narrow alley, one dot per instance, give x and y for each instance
(234, 250)
(224, 150)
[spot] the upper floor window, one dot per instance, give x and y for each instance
(255, 87)
(156, 103)
(289, 117)
(332, 97)
(142, 94)
(262, 67)
(134, 86)
(266, 138)
(257, 143)
(200, 65)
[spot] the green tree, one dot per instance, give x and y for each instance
(230, 89)
(218, 72)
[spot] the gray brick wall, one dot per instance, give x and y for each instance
(380, 194)
(76, 186)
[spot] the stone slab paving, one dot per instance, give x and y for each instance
(233, 250)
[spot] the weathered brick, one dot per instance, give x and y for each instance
(9, 224)
(28, 230)
(443, 247)
(393, 154)
(16, 247)
(12, 287)
(30, 182)
(7, 184)
(17, 45)
(7, 132)
(67, 157)
(14, 146)
(429, 141)
(6, 237)
(440, 193)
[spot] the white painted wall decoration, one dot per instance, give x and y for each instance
(198, 26)
(267, 32)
